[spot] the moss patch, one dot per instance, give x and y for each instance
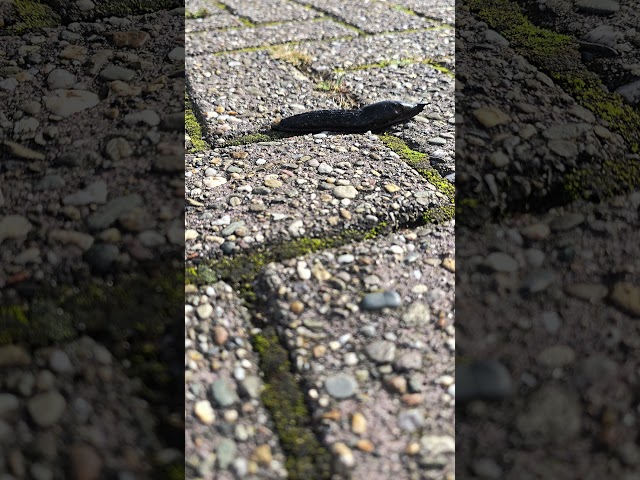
(241, 270)
(193, 129)
(559, 57)
(289, 54)
(255, 138)
(33, 16)
(201, 13)
(307, 458)
(133, 317)
(419, 161)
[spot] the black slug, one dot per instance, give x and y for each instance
(375, 117)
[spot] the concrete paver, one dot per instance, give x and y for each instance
(372, 16)
(211, 41)
(399, 357)
(273, 11)
(273, 198)
(310, 186)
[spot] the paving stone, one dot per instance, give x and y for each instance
(303, 207)
(434, 44)
(272, 11)
(390, 416)
(443, 10)
(217, 394)
(371, 17)
(265, 94)
(202, 42)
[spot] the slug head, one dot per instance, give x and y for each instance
(391, 112)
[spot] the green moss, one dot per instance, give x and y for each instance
(290, 55)
(43, 323)
(307, 458)
(121, 8)
(614, 177)
(194, 130)
(171, 471)
(255, 138)
(241, 270)
(439, 214)
(201, 13)
(541, 46)
(559, 57)
(419, 161)
(33, 15)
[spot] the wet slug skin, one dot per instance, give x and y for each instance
(375, 117)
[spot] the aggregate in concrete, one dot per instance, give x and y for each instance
(255, 86)
(321, 317)
(271, 11)
(259, 195)
(200, 43)
(443, 10)
(371, 16)
(434, 44)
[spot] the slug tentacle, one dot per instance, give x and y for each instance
(375, 117)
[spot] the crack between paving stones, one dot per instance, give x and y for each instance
(307, 456)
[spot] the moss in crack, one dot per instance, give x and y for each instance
(194, 130)
(559, 56)
(439, 215)
(255, 138)
(200, 13)
(307, 458)
(613, 177)
(289, 54)
(241, 270)
(418, 160)
(32, 16)
(39, 324)
(134, 317)
(121, 8)
(541, 46)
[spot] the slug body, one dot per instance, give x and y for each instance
(375, 117)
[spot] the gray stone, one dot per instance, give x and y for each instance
(537, 281)
(226, 453)
(411, 420)
(630, 91)
(341, 385)
(552, 416)
(114, 72)
(9, 405)
(67, 102)
(94, 193)
(60, 78)
(486, 468)
(50, 182)
(482, 380)
(418, 313)
(59, 362)
(435, 450)
(379, 300)
(566, 222)
(251, 386)
(106, 215)
(345, 191)
(231, 228)
(410, 360)
(601, 7)
(14, 227)
(223, 393)
(381, 351)
(46, 408)
(501, 262)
